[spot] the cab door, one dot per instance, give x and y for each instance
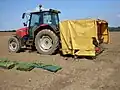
(35, 21)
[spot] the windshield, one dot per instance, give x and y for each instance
(35, 19)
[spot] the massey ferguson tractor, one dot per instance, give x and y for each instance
(41, 31)
(44, 32)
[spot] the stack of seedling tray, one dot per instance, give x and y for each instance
(26, 66)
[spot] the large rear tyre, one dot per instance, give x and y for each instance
(46, 42)
(14, 44)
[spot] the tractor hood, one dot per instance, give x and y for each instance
(22, 32)
(23, 29)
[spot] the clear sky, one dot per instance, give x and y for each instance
(11, 10)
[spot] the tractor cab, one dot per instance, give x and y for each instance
(40, 17)
(41, 32)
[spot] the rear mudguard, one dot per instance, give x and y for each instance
(46, 26)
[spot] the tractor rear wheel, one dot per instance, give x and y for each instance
(46, 42)
(14, 44)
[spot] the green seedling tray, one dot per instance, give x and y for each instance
(7, 65)
(24, 66)
(51, 68)
(4, 60)
(38, 65)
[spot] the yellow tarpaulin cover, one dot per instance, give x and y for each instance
(76, 36)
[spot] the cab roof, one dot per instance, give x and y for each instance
(43, 10)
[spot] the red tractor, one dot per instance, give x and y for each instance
(41, 31)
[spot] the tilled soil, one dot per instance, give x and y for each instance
(103, 73)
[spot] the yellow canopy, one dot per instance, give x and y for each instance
(76, 36)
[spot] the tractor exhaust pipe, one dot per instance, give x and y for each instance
(40, 7)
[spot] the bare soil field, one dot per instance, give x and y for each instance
(102, 73)
(6, 33)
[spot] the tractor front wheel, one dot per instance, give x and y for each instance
(14, 44)
(46, 42)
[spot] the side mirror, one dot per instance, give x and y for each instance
(24, 24)
(23, 15)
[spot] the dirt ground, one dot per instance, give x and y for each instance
(102, 73)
